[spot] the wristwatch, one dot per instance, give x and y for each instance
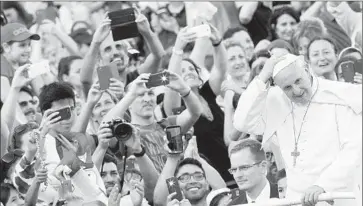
(142, 153)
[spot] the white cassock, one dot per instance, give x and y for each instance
(330, 140)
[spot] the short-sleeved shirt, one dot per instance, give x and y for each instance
(152, 138)
(6, 69)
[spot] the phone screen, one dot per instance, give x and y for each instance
(38, 69)
(64, 113)
(173, 186)
(348, 71)
(173, 134)
(104, 76)
(158, 79)
(201, 31)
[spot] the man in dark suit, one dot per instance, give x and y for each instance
(249, 169)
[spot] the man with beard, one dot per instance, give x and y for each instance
(28, 104)
(109, 51)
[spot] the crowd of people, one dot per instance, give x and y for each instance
(266, 106)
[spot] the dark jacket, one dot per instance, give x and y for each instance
(242, 199)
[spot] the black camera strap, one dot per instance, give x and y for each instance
(124, 169)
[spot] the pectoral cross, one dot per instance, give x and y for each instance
(295, 154)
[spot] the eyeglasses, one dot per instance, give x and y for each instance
(12, 155)
(233, 170)
(197, 176)
(132, 175)
(25, 103)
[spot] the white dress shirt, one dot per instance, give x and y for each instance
(263, 196)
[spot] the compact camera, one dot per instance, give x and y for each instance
(121, 129)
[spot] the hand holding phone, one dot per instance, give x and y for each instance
(38, 69)
(203, 30)
(104, 76)
(173, 134)
(158, 79)
(64, 113)
(173, 187)
(348, 71)
(123, 24)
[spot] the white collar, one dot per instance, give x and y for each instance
(263, 196)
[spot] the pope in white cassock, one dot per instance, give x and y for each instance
(316, 123)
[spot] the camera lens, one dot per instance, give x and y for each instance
(123, 131)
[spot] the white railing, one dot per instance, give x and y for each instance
(288, 202)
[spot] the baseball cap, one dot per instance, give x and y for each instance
(16, 32)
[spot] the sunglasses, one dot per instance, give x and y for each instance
(12, 155)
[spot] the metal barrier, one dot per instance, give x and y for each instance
(288, 202)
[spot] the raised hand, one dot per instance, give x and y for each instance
(41, 175)
(177, 84)
(134, 142)
(104, 135)
(184, 37)
(137, 87)
(94, 93)
(49, 121)
(358, 78)
(103, 30)
(268, 68)
(21, 77)
(215, 36)
(117, 87)
(137, 194)
(192, 149)
(142, 22)
(115, 197)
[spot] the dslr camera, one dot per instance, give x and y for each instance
(121, 129)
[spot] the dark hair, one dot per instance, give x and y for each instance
(253, 73)
(262, 53)
(281, 174)
(54, 92)
(188, 161)
(23, 14)
(231, 31)
(108, 159)
(276, 15)
(196, 67)
(64, 66)
(27, 90)
(5, 192)
(327, 38)
(18, 132)
(253, 145)
(216, 199)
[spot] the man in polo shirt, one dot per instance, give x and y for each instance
(15, 52)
